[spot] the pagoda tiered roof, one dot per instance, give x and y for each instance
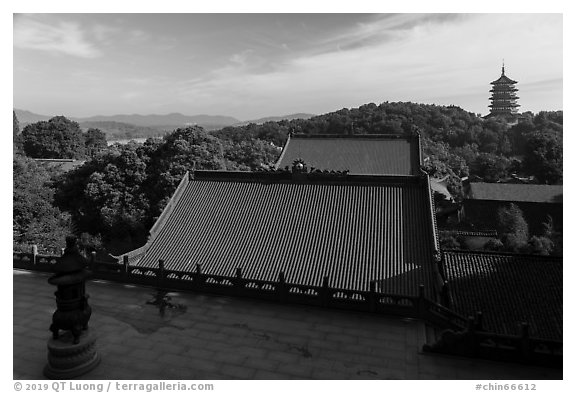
(503, 80)
(503, 96)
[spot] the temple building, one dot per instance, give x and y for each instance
(327, 266)
(503, 99)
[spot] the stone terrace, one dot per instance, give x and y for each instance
(214, 338)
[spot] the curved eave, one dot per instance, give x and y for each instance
(500, 89)
(503, 97)
(503, 102)
(503, 80)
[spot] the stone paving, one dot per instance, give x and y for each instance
(213, 338)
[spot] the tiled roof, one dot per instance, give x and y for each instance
(503, 80)
(359, 154)
(353, 229)
(508, 289)
(541, 193)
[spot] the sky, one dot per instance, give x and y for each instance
(255, 65)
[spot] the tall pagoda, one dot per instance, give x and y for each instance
(503, 97)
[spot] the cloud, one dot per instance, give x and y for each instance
(404, 58)
(59, 37)
(382, 29)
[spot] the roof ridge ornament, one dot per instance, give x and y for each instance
(299, 166)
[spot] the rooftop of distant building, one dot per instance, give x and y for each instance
(358, 154)
(538, 193)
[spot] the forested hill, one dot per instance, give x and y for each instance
(456, 142)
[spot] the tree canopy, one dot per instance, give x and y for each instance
(35, 218)
(61, 138)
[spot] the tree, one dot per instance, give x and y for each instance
(493, 245)
(512, 228)
(95, 141)
(440, 161)
(35, 219)
(544, 156)
(106, 197)
(16, 137)
(490, 167)
(15, 125)
(541, 245)
(251, 155)
(55, 138)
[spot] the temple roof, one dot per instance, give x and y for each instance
(352, 229)
(359, 154)
(540, 193)
(508, 289)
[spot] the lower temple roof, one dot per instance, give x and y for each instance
(351, 229)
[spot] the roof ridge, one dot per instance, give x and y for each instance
(313, 176)
(353, 136)
(502, 253)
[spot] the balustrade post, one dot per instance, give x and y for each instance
(524, 340)
(34, 253)
(198, 275)
(445, 294)
(372, 297)
(281, 287)
(325, 291)
(92, 260)
(238, 281)
(472, 338)
(161, 273)
(478, 320)
(126, 264)
(421, 305)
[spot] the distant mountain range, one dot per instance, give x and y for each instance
(167, 122)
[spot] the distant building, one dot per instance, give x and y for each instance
(503, 99)
(359, 154)
(537, 201)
